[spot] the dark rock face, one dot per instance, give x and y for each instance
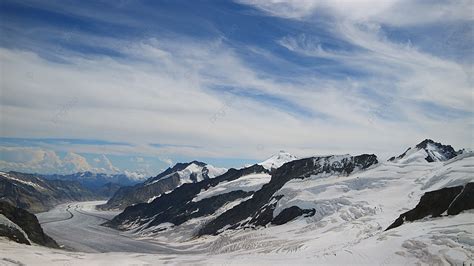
(464, 201)
(155, 186)
(291, 213)
(13, 234)
(399, 156)
(180, 214)
(127, 196)
(29, 223)
(264, 215)
(447, 151)
(178, 167)
(107, 190)
(260, 207)
(35, 194)
(177, 206)
(452, 200)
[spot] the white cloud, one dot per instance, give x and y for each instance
(23, 158)
(161, 92)
(136, 176)
(104, 165)
(44, 161)
(393, 12)
(73, 162)
(415, 75)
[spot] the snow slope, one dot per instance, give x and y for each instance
(278, 160)
(252, 182)
(426, 151)
(194, 173)
(388, 185)
(351, 214)
(441, 241)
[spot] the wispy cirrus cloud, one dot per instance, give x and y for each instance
(393, 12)
(305, 76)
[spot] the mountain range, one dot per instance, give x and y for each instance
(168, 180)
(322, 190)
(36, 194)
(284, 204)
(98, 181)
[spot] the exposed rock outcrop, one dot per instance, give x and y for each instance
(171, 178)
(291, 213)
(178, 206)
(29, 225)
(451, 200)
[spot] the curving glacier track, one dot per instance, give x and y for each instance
(77, 226)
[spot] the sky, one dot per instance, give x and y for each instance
(136, 86)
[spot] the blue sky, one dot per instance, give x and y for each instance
(136, 86)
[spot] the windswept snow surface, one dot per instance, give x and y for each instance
(252, 182)
(383, 192)
(278, 160)
(440, 241)
(351, 214)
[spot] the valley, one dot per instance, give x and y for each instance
(414, 208)
(77, 227)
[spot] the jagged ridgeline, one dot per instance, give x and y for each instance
(258, 210)
(185, 202)
(166, 181)
(178, 206)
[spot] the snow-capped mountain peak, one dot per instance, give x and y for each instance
(197, 172)
(278, 160)
(191, 172)
(426, 151)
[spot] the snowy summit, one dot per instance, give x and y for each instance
(278, 160)
(426, 151)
